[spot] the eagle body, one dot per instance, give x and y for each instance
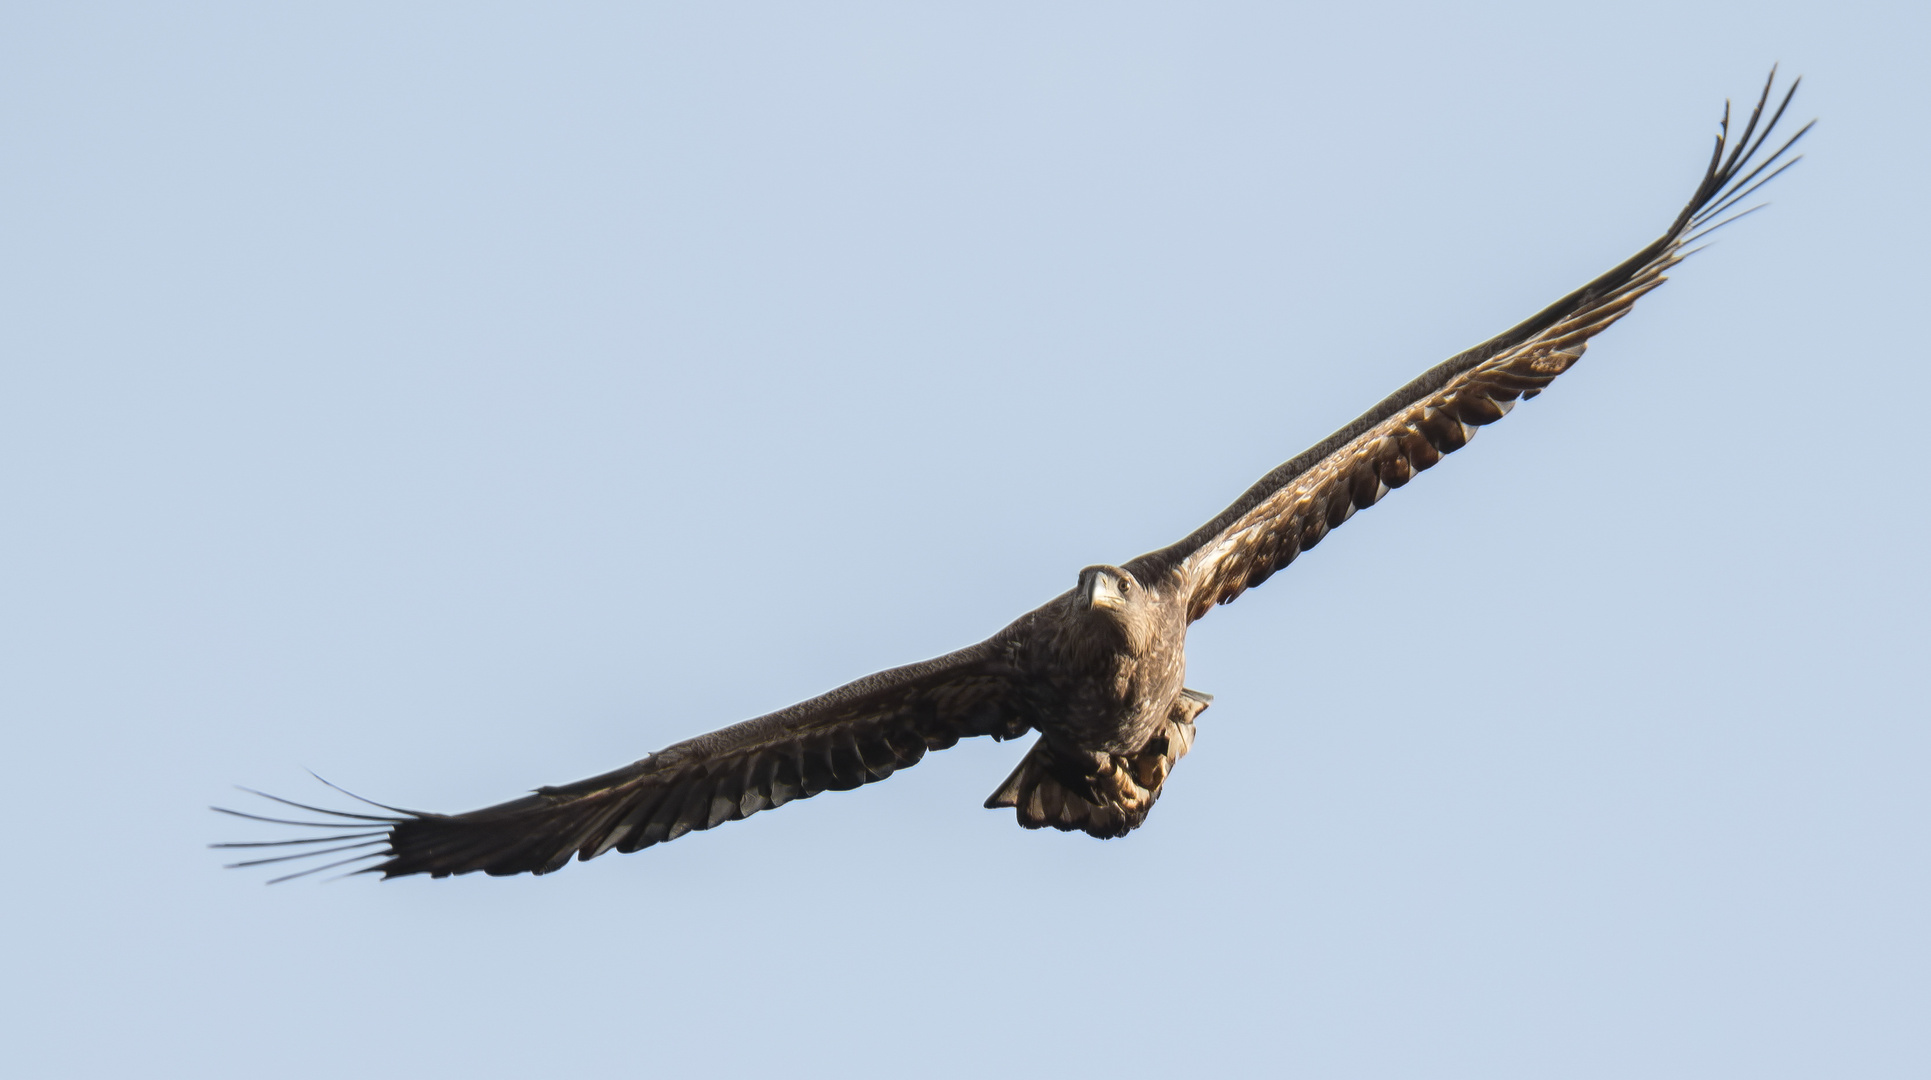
(1103, 666)
(1108, 660)
(1097, 671)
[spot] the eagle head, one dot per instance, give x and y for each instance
(1108, 588)
(1112, 598)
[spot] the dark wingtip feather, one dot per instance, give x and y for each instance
(280, 821)
(319, 869)
(358, 798)
(305, 840)
(306, 854)
(349, 832)
(318, 809)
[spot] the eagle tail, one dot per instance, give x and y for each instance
(1107, 796)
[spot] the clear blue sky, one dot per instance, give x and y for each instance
(459, 399)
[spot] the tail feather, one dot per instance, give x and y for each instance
(1108, 798)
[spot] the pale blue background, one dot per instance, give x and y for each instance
(457, 399)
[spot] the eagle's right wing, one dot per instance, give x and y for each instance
(856, 734)
(1290, 509)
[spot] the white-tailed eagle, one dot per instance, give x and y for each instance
(1096, 671)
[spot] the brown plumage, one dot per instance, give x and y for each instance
(1097, 671)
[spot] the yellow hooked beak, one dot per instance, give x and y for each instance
(1103, 591)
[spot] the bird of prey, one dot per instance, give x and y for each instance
(1097, 671)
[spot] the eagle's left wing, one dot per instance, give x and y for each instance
(1294, 506)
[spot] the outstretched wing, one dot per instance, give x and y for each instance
(856, 734)
(1294, 506)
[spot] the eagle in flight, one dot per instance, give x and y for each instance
(1098, 671)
